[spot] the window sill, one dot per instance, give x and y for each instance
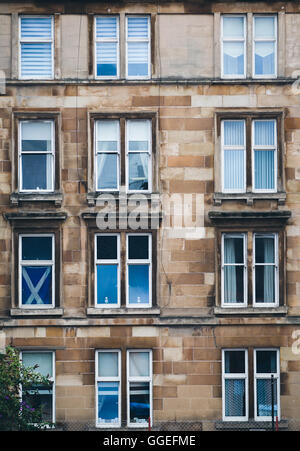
(18, 198)
(92, 197)
(233, 219)
(123, 311)
(249, 198)
(249, 425)
(36, 312)
(251, 311)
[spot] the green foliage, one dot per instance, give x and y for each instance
(16, 383)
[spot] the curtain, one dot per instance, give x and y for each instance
(233, 51)
(107, 148)
(139, 364)
(264, 58)
(230, 285)
(108, 365)
(264, 50)
(233, 58)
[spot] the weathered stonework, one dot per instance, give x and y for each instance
(184, 95)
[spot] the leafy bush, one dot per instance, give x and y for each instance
(17, 384)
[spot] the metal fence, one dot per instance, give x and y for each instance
(191, 426)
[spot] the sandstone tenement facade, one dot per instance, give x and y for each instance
(187, 328)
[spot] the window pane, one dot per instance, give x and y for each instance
(107, 136)
(265, 283)
(107, 247)
(137, 57)
(36, 27)
(36, 60)
(36, 285)
(234, 133)
(265, 27)
(138, 284)
(107, 59)
(138, 247)
(108, 402)
(264, 169)
(233, 249)
(233, 284)
(235, 398)
(36, 136)
(106, 27)
(235, 362)
(264, 398)
(234, 169)
(107, 284)
(264, 249)
(264, 133)
(138, 135)
(233, 27)
(108, 364)
(37, 172)
(40, 398)
(139, 395)
(138, 171)
(44, 360)
(36, 248)
(264, 58)
(233, 63)
(107, 166)
(266, 361)
(139, 364)
(137, 27)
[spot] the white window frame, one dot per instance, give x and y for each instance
(108, 40)
(140, 379)
(149, 153)
(51, 378)
(36, 40)
(245, 240)
(242, 376)
(275, 39)
(263, 148)
(227, 147)
(50, 152)
(108, 379)
(266, 376)
(108, 262)
(25, 263)
(136, 77)
(223, 39)
(139, 262)
(276, 271)
(96, 153)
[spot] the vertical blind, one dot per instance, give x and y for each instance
(264, 154)
(36, 47)
(234, 155)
